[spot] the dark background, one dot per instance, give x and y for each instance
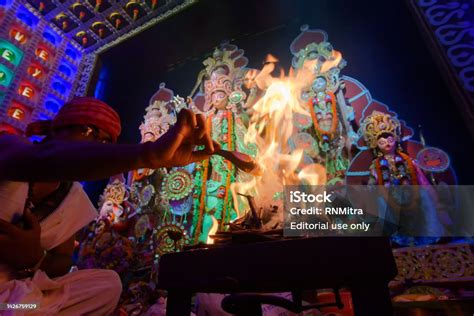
(380, 41)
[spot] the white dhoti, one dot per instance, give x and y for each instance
(83, 292)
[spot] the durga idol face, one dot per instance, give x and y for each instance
(218, 100)
(386, 144)
(319, 84)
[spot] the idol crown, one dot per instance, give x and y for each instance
(218, 82)
(377, 124)
(157, 120)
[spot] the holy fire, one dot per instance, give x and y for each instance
(326, 211)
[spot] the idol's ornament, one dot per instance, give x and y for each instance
(222, 99)
(327, 135)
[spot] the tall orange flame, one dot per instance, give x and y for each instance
(213, 230)
(332, 62)
(270, 129)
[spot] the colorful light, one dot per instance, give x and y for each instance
(51, 36)
(35, 71)
(27, 17)
(18, 35)
(8, 55)
(5, 3)
(26, 90)
(71, 53)
(65, 70)
(10, 52)
(8, 129)
(16, 113)
(6, 76)
(61, 86)
(98, 3)
(52, 104)
(42, 53)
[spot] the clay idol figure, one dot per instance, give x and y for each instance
(409, 209)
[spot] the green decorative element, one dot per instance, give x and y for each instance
(278, 196)
(177, 184)
(236, 97)
(6, 76)
(166, 241)
(302, 121)
(10, 52)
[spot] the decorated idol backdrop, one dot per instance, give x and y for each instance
(310, 124)
(316, 104)
(313, 125)
(387, 55)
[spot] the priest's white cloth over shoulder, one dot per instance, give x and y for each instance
(77, 293)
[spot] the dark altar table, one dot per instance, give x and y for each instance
(363, 264)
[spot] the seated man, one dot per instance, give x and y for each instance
(42, 208)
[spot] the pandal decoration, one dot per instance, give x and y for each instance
(174, 205)
(177, 184)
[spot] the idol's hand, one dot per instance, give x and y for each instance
(20, 247)
(177, 146)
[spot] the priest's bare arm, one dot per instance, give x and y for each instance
(57, 160)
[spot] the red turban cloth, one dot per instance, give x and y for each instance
(80, 111)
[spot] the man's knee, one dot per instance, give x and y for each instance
(105, 282)
(110, 290)
(112, 283)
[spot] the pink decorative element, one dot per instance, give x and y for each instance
(163, 94)
(200, 102)
(358, 96)
(307, 37)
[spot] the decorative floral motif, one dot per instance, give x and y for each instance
(182, 207)
(170, 238)
(115, 192)
(450, 24)
(434, 263)
(306, 142)
(177, 184)
(433, 159)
